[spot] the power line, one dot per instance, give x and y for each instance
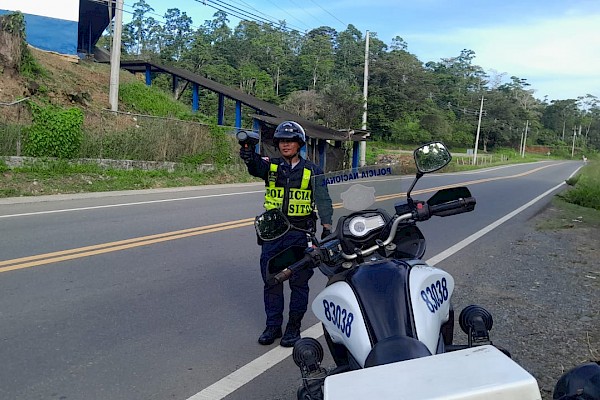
(266, 15)
(284, 11)
(306, 11)
(112, 2)
(243, 14)
(342, 22)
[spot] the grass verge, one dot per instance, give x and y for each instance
(60, 177)
(579, 205)
(569, 216)
(586, 187)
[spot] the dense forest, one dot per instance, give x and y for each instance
(319, 75)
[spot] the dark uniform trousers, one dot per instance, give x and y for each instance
(273, 294)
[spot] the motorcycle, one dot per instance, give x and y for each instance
(387, 316)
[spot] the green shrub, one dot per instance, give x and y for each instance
(586, 192)
(3, 166)
(10, 136)
(221, 145)
(54, 132)
(148, 100)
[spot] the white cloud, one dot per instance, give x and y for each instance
(563, 53)
(564, 47)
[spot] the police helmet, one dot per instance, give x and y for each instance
(580, 383)
(289, 130)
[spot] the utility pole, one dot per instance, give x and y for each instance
(521, 144)
(363, 144)
(478, 129)
(525, 139)
(573, 147)
(115, 58)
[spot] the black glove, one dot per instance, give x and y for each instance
(326, 232)
(246, 153)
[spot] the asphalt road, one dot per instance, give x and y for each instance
(158, 295)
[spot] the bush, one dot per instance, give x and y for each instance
(586, 192)
(54, 132)
(3, 166)
(148, 100)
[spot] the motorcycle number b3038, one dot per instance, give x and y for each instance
(339, 317)
(435, 295)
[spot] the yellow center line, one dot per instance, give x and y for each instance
(87, 251)
(47, 258)
(467, 183)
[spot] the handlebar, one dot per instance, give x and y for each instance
(450, 207)
(422, 212)
(287, 273)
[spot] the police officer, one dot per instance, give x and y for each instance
(288, 187)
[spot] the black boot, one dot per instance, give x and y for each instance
(292, 331)
(269, 335)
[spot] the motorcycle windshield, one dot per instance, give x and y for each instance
(363, 188)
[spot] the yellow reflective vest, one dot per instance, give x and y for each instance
(299, 199)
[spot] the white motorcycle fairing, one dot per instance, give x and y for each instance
(387, 331)
(430, 293)
(338, 309)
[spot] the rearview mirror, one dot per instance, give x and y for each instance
(271, 224)
(431, 157)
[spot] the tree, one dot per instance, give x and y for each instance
(561, 116)
(350, 56)
(341, 105)
(304, 103)
(199, 53)
(399, 44)
(178, 34)
(517, 88)
(217, 28)
(316, 56)
(458, 80)
(256, 82)
(398, 84)
(139, 26)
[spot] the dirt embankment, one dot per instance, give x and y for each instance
(61, 79)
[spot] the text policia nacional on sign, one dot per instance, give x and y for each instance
(354, 175)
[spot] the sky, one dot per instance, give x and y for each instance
(554, 44)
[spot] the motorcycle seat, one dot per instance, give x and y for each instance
(394, 349)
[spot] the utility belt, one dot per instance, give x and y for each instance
(308, 223)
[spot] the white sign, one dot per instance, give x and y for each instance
(61, 9)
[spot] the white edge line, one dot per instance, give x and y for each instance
(256, 367)
(126, 204)
(465, 242)
(402, 177)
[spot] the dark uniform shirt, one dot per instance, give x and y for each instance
(291, 178)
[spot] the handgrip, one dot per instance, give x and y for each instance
(283, 276)
(287, 273)
(453, 207)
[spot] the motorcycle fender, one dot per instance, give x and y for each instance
(338, 309)
(430, 293)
